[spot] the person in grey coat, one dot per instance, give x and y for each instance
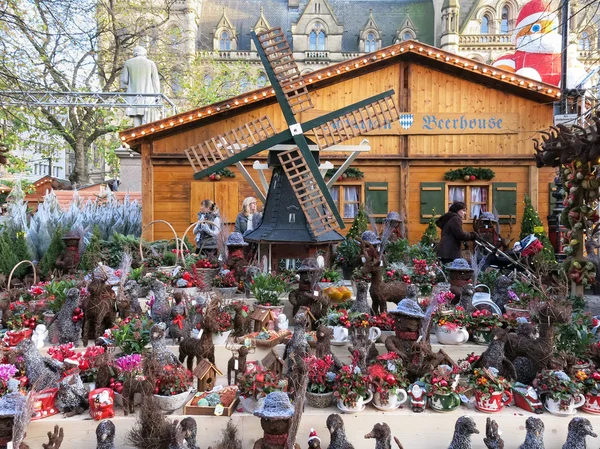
(249, 218)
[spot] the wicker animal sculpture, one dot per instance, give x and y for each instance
(161, 310)
(129, 304)
(190, 429)
(501, 287)
(203, 347)
(466, 298)
(324, 334)
(408, 318)
(177, 436)
(307, 295)
(579, 429)
(493, 356)
(534, 438)
(337, 440)
(43, 372)
(72, 397)
(314, 442)
(105, 435)
(492, 439)
(531, 355)
(67, 319)
(382, 434)
(381, 292)
(361, 303)
(144, 385)
(99, 308)
(463, 429)
(160, 352)
(241, 320)
(179, 324)
(297, 346)
(237, 364)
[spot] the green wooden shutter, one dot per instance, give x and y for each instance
(376, 197)
(433, 200)
(504, 195)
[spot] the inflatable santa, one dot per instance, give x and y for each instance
(538, 47)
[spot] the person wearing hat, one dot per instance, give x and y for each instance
(249, 218)
(451, 224)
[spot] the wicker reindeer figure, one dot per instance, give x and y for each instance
(144, 385)
(203, 347)
(67, 320)
(381, 292)
(241, 320)
(129, 304)
(99, 309)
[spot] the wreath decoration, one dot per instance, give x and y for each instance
(469, 174)
(224, 173)
(350, 173)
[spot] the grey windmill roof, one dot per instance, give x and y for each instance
(389, 15)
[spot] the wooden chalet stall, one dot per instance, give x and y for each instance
(454, 113)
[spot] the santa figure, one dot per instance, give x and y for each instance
(538, 47)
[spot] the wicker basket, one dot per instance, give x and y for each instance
(319, 400)
(207, 275)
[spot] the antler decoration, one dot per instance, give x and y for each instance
(563, 145)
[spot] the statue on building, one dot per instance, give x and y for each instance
(140, 76)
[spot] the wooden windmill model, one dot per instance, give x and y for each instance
(295, 170)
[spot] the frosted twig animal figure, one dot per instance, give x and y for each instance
(493, 356)
(43, 372)
(129, 304)
(72, 397)
(69, 326)
(40, 334)
(579, 429)
(161, 310)
(492, 439)
(160, 352)
(105, 435)
(382, 434)
(534, 439)
(463, 429)
(338, 440)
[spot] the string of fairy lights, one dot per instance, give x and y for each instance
(347, 66)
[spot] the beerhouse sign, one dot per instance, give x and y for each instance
(445, 123)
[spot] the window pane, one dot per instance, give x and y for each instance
(456, 194)
(312, 38)
(321, 40)
(351, 201)
(335, 194)
(479, 199)
(407, 36)
(485, 27)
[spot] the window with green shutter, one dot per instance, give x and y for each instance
(376, 197)
(433, 200)
(504, 196)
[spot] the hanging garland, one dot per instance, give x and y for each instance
(224, 173)
(469, 174)
(350, 173)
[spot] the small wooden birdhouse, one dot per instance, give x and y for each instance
(263, 319)
(310, 318)
(273, 362)
(207, 374)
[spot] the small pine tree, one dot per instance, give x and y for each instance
(7, 256)
(56, 248)
(92, 254)
(21, 252)
(430, 236)
(529, 223)
(359, 225)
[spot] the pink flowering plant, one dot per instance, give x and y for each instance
(7, 372)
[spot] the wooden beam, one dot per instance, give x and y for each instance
(147, 190)
(534, 186)
(261, 196)
(343, 168)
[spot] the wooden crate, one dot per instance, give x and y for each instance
(190, 409)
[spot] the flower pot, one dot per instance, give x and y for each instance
(13, 338)
(339, 335)
(592, 404)
(275, 310)
(169, 404)
(494, 402)
(226, 292)
(191, 291)
(451, 335)
(564, 408)
(384, 335)
(319, 400)
(396, 397)
(444, 402)
(251, 404)
(482, 336)
(515, 311)
(359, 407)
(220, 339)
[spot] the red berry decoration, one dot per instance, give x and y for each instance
(472, 177)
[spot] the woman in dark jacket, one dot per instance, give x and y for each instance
(451, 223)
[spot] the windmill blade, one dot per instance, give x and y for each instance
(312, 200)
(359, 121)
(279, 55)
(218, 149)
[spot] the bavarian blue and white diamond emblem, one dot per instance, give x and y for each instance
(406, 120)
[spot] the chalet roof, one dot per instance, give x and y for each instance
(270, 359)
(351, 14)
(261, 315)
(203, 367)
(409, 51)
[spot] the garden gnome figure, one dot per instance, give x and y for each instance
(140, 76)
(275, 419)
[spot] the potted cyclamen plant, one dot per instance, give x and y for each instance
(319, 391)
(492, 392)
(225, 284)
(388, 380)
(481, 323)
(591, 390)
(561, 395)
(130, 363)
(7, 372)
(351, 388)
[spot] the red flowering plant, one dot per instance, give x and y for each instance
(442, 380)
(188, 279)
(82, 361)
(206, 262)
(225, 279)
(320, 376)
(224, 319)
(174, 379)
(348, 320)
(351, 385)
(396, 275)
(387, 376)
(259, 383)
(465, 365)
(558, 386)
(383, 321)
(451, 318)
(590, 380)
(20, 317)
(483, 319)
(487, 381)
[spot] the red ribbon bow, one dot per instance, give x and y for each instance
(178, 321)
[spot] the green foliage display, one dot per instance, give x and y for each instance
(93, 252)
(116, 246)
(350, 173)
(59, 290)
(473, 173)
(56, 248)
(531, 224)
(347, 253)
(13, 249)
(430, 236)
(396, 251)
(575, 337)
(359, 225)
